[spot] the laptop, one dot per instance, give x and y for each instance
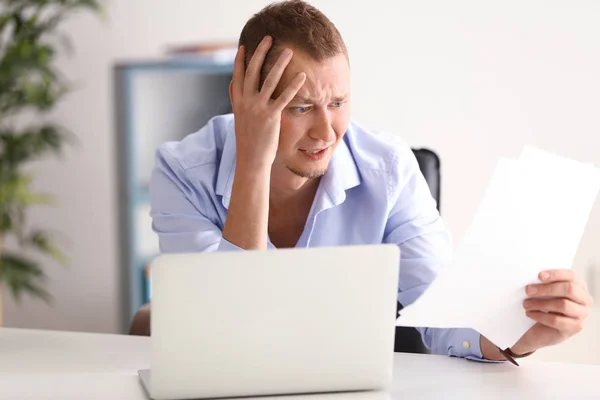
(279, 322)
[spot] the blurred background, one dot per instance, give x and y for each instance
(473, 81)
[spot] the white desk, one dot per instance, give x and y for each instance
(61, 365)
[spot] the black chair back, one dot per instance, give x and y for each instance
(408, 340)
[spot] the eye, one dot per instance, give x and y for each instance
(301, 109)
(337, 104)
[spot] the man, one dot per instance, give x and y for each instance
(289, 169)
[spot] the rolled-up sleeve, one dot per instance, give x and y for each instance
(181, 226)
(415, 225)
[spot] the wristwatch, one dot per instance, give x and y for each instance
(510, 356)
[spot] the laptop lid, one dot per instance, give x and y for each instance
(273, 322)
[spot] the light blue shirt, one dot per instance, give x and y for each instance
(373, 192)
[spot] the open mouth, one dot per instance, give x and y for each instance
(316, 154)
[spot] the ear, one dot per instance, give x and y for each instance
(231, 93)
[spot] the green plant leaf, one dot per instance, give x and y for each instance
(29, 42)
(32, 143)
(6, 221)
(15, 191)
(21, 276)
(42, 241)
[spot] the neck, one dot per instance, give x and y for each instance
(292, 190)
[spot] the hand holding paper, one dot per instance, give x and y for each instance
(531, 219)
(560, 305)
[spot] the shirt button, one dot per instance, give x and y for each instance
(467, 344)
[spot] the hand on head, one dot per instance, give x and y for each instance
(257, 114)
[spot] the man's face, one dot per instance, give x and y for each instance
(315, 121)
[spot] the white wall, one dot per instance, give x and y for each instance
(472, 80)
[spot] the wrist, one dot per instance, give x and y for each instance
(253, 166)
(246, 225)
(251, 179)
(490, 351)
(251, 182)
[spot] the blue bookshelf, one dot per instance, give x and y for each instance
(155, 102)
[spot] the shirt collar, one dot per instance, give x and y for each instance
(341, 175)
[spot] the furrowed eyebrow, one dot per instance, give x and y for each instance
(308, 100)
(301, 99)
(339, 98)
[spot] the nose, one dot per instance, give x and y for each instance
(322, 129)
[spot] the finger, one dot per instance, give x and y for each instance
(565, 325)
(254, 67)
(569, 290)
(238, 74)
(288, 94)
(558, 275)
(561, 306)
(275, 74)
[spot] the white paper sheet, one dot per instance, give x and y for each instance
(531, 218)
